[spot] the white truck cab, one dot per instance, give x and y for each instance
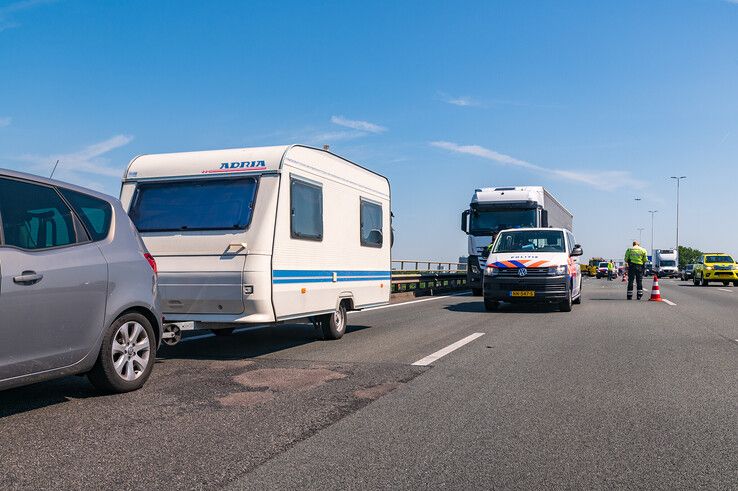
(533, 265)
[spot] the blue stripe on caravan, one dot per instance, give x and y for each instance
(291, 273)
(326, 280)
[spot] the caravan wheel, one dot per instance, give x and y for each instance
(334, 325)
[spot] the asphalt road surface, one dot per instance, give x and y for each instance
(615, 394)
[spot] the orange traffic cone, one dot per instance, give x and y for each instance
(625, 276)
(655, 291)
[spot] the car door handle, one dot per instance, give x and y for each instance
(28, 278)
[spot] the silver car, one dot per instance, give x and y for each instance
(78, 291)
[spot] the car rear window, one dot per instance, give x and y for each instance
(95, 213)
(206, 204)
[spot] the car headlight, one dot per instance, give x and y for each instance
(557, 270)
(709, 268)
(490, 271)
(734, 267)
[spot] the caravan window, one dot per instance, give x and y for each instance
(371, 224)
(306, 204)
(206, 204)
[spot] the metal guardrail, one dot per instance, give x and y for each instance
(436, 276)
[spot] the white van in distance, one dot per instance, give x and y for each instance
(262, 235)
(533, 265)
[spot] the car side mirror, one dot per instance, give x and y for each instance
(577, 251)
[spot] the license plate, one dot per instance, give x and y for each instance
(523, 293)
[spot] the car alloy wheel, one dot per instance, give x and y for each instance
(130, 351)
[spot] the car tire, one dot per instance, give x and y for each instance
(565, 305)
(735, 283)
(726, 283)
(334, 325)
(695, 281)
(127, 355)
(491, 305)
(476, 292)
(226, 331)
(704, 282)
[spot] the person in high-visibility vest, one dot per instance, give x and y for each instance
(610, 270)
(635, 259)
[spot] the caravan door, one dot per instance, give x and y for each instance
(195, 230)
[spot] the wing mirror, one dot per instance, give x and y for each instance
(577, 251)
(465, 221)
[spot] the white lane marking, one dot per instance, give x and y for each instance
(725, 290)
(400, 304)
(668, 302)
(448, 349)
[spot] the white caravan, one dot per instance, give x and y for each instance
(262, 235)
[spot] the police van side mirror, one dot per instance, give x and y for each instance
(465, 221)
(577, 251)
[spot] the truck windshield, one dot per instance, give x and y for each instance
(668, 263)
(530, 241)
(208, 204)
(719, 259)
(486, 222)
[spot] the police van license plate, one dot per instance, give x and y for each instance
(522, 293)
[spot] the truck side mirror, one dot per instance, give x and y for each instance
(544, 218)
(465, 221)
(577, 251)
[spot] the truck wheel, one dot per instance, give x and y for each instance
(226, 331)
(126, 356)
(334, 325)
(491, 305)
(565, 306)
(476, 292)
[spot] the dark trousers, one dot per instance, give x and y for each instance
(635, 272)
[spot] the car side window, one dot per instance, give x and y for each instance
(370, 218)
(306, 210)
(34, 216)
(96, 214)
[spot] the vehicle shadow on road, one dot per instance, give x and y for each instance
(504, 308)
(249, 344)
(44, 394)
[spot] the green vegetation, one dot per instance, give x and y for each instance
(687, 255)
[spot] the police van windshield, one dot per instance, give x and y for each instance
(530, 241)
(486, 222)
(208, 204)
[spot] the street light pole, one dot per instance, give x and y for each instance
(640, 234)
(652, 212)
(678, 180)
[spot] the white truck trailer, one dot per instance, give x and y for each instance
(498, 208)
(262, 235)
(665, 263)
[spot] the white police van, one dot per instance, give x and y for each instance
(261, 235)
(533, 265)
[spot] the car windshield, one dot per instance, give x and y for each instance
(719, 259)
(486, 222)
(530, 241)
(211, 204)
(603, 265)
(668, 263)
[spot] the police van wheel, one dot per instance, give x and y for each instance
(334, 325)
(476, 292)
(565, 306)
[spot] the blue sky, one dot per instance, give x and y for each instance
(599, 101)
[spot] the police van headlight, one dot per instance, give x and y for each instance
(557, 270)
(490, 271)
